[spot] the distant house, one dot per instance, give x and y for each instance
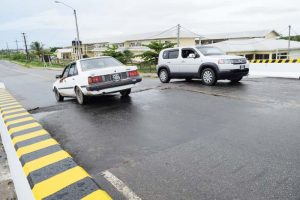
(260, 48)
(215, 38)
(136, 42)
(66, 53)
(262, 44)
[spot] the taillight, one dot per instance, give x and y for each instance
(133, 73)
(95, 79)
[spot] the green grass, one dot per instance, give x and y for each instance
(21, 60)
(147, 69)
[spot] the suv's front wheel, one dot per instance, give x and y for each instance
(164, 76)
(208, 77)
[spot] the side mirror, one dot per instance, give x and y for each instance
(192, 55)
(58, 76)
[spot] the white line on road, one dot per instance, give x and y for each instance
(120, 186)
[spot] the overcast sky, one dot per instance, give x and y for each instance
(53, 24)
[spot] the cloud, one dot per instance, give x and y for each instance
(53, 23)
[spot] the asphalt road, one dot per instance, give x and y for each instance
(179, 140)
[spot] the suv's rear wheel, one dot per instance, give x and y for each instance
(208, 77)
(58, 96)
(235, 80)
(81, 98)
(164, 76)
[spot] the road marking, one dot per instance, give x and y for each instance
(120, 186)
(34, 147)
(98, 194)
(45, 161)
(29, 136)
(24, 127)
(58, 182)
(19, 121)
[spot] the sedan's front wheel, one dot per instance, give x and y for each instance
(81, 98)
(58, 96)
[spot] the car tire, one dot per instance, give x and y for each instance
(125, 93)
(208, 77)
(236, 80)
(58, 96)
(164, 76)
(80, 97)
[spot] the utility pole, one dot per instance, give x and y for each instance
(17, 45)
(78, 39)
(7, 48)
(178, 35)
(289, 45)
(25, 43)
(77, 30)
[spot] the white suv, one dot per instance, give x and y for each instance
(205, 62)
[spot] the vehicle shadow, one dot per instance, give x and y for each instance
(106, 100)
(219, 84)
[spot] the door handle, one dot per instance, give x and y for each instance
(168, 62)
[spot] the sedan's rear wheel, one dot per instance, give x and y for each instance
(125, 93)
(58, 96)
(164, 76)
(81, 98)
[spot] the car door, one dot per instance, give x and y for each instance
(171, 58)
(61, 85)
(189, 61)
(70, 81)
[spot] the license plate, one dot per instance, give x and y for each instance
(116, 77)
(242, 67)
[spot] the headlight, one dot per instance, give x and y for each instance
(225, 61)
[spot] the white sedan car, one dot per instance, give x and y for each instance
(93, 77)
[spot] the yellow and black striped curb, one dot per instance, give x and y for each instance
(50, 171)
(276, 61)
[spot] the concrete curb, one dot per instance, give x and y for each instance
(40, 168)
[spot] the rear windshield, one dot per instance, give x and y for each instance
(99, 63)
(210, 51)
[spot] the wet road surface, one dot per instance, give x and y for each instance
(179, 140)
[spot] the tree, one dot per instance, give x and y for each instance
(124, 57)
(37, 49)
(128, 56)
(151, 56)
(293, 38)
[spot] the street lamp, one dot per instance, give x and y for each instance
(77, 30)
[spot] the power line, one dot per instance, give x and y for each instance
(163, 32)
(193, 32)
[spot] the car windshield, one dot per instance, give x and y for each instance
(99, 63)
(209, 51)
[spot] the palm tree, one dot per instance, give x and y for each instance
(37, 48)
